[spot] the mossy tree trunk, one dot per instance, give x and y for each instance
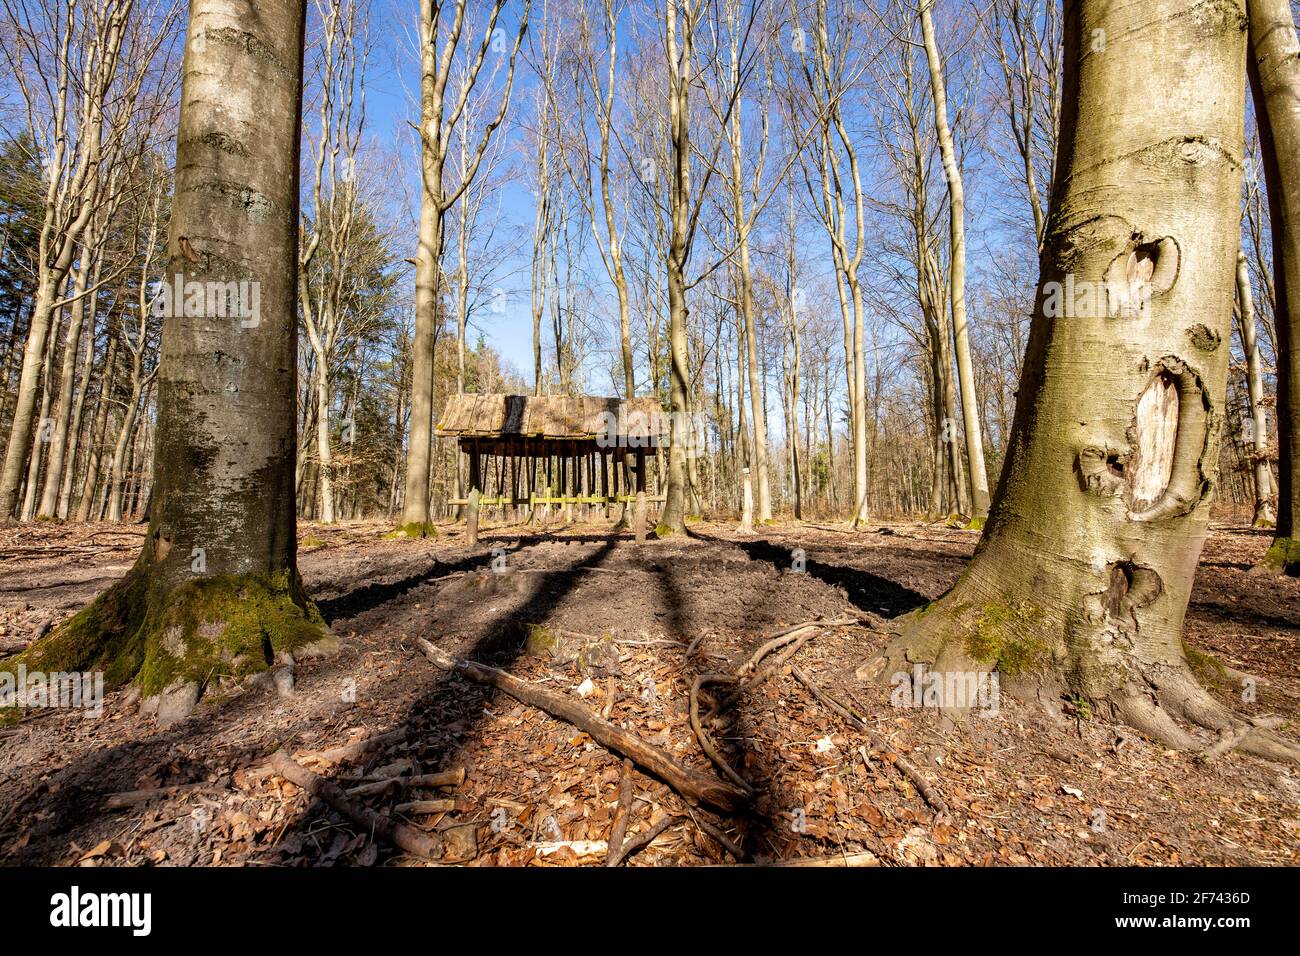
(1275, 83)
(1081, 581)
(215, 591)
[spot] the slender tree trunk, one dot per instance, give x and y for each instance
(99, 428)
(117, 472)
(1265, 516)
(979, 484)
(415, 501)
(324, 452)
(43, 436)
(63, 408)
(74, 428)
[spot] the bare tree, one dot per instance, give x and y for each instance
(439, 118)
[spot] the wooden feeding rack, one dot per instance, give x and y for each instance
(559, 450)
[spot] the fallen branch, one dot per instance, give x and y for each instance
(706, 742)
(357, 748)
(864, 858)
(426, 806)
(368, 787)
(642, 840)
(695, 786)
(905, 766)
(399, 834)
(789, 642)
(336, 755)
(623, 813)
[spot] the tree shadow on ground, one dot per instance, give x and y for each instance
(866, 591)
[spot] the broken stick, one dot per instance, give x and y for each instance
(621, 815)
(642, 840)
(696, 787)
(399, 834)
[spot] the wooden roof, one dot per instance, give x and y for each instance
(551, 417)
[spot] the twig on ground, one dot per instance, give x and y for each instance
(399, 834)
(622, 814)
(642, 840)
(905, 766)
(739, 855)
(692, 784)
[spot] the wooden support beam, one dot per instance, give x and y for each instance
(471, 519)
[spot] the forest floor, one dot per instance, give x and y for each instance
(625, 631)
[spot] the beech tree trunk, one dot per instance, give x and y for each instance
(63, 408)
(215, 592)
(1081, 581)
(979, 483)
(1265, 515)
(1275, 83)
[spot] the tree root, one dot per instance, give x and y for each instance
(706, 742)
(1182, 697)
(1150, 697)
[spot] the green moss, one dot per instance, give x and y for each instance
(1283, 557)
(311, 541)
(540, 640)
(999, 636)
(102, 636)
(226, 625)
(664, 531)
(1209, 670)
(975, 524)
(414, 529)
(229, 626)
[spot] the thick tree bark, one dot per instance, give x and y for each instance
(215, 592)
(1275, 82)
(1081, 581)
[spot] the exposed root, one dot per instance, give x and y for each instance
(1151, 698)
(175, 642)
(706, 742)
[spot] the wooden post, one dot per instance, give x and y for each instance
(514, 483)
(604, 481)
(471, 519)
(566, 485)
(747, 510)
(638, 518)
